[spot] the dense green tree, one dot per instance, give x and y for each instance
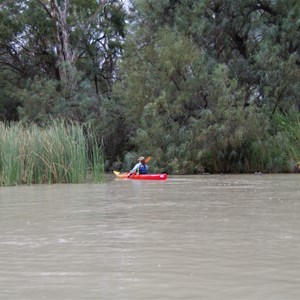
(201, 78)
(253, 38)
(74, 44)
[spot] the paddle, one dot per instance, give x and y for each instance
(146, 161)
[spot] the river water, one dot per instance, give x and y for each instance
(190, 237)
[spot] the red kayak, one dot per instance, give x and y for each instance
(141, 176)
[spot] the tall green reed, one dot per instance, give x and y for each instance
(96, 156)
(289, 124)
(57, 153)
(10, 153)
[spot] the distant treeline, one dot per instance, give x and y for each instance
(201, 86)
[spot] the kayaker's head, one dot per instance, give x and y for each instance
(141, 159)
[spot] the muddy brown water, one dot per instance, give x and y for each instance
(191, 237)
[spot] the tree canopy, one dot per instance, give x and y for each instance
(196, 84)
(64, 46)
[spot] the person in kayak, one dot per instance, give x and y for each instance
(141, 167)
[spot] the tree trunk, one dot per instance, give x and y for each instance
(66, 58)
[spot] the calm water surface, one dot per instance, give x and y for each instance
(192, 237)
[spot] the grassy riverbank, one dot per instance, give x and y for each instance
(57, 153)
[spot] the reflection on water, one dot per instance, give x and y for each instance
(193, 237)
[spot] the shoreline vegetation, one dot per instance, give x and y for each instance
(67, 152)
(200, 86)
(57, 153)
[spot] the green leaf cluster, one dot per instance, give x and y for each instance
(200, 81)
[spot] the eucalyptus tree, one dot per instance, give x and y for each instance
(69, 47)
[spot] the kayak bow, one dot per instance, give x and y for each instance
(125, 175)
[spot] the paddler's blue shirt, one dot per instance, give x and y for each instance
(140, 168)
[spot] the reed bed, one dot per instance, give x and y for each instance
(57, 153)
(289, 125)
